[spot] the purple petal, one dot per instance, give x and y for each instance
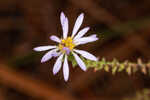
(44, 48)
(67, 50)
(85, 40)
(56, 54)
(66, 69)
(80, 62)
(55, 38)
(57, 64)
(77, 24)
(48, 56)
(81, 33)
(86, 54)
(64, 23)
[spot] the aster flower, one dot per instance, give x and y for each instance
(66, 46)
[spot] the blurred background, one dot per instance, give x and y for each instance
(123, 28)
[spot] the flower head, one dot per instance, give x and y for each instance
(66, 46)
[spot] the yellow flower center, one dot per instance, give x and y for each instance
(68, 43)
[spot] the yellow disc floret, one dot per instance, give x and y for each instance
(68, 43)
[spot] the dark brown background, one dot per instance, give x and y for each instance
(122, 26)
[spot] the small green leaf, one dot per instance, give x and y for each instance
(94, 63)
(114, 69)
(128, 70)
(103, 60)
(100, 65)
(88, 63)
(70, 57)
(74, 63)
(106, 68)
(121, 68)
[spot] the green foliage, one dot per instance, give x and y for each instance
(114, 66)
(71, 58)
